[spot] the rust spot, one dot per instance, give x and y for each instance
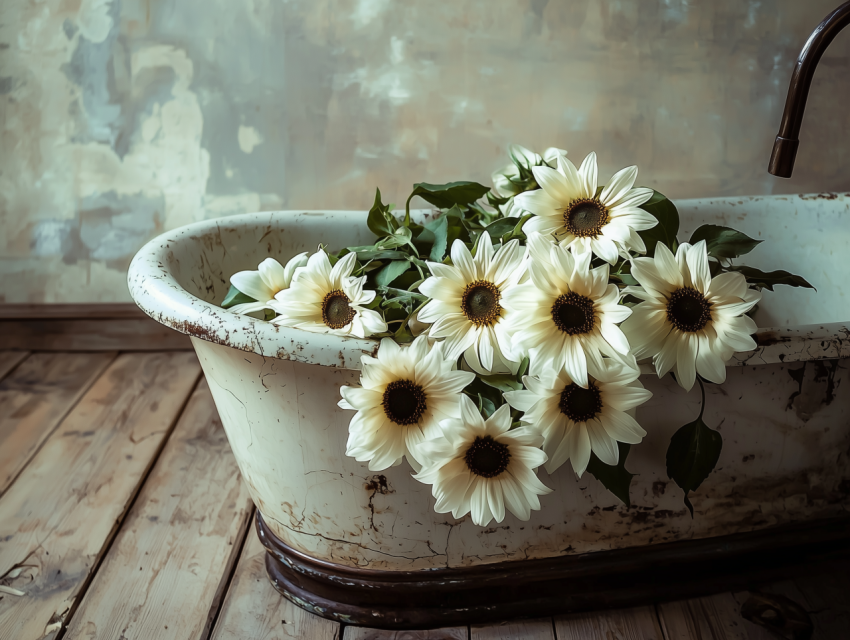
(658, 488)
(377, 485)
(768, 338)
(748, 458)
(819, 196)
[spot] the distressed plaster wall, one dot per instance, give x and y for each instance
(122, 118)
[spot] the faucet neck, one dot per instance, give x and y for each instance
(785, 147)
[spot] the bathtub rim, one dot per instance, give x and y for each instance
(158, 293)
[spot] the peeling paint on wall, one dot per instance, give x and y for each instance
(122, 118)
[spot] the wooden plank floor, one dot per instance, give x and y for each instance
(123, 516)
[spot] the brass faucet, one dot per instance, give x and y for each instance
(787, 141)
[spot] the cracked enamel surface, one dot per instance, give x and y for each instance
(783, 417)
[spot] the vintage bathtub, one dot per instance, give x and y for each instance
(368, 548)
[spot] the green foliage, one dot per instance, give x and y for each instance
(445, 196)
(390, 272)
(668, 223)
(380, 221)
(693, 453)
(614, 478)
(770, 279)
(723, 242)
(234, 297)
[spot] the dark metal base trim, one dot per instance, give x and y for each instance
(533, 588)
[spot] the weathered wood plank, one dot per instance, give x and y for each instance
(447, 633)
(540, 629)
(97, 334)
(640, 623)
(35, 397)
(253, 610)
(65, 507)
(178, 544)
(9, 360)
(828, 602)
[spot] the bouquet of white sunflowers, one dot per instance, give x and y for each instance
(511, 322)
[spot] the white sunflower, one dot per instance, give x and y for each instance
(264, 284)
(482, 466)
(567, 208)
(465, 306)
(566, 315)
(328, 299)
(576, 420)
(405, 393)
(508, 181)
(688, 321)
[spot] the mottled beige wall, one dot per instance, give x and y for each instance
(124, 118)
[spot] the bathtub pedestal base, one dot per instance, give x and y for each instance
(551, 586)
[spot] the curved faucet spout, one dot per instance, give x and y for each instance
(787, 141)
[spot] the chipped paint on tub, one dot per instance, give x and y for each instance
(276, 388)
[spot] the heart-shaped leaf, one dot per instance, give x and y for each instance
(724, 242)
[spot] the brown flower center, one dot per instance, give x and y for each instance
(404, 402)
(486, 457)
(580, 404)
(573, 313)
(336, 312)
(480, 302)
(585, 217)
(688, 310)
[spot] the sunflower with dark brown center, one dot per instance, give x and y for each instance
(480, 302)
(326, 298)
(585, 217)
(404, 402)
(465, 305)
(577, 421)
(573, 313)
(688, 310)
(486, 457)
(570, 206)
(336, 311)
(483, 467)
(689, 322)
(580, 404)
(406, 392)
(567, 314)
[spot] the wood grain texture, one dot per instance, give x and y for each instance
(175, 551)
(640, 623)
(35, 397)
(97, 334)
(827, 599)
(9, 360)
(540, 629)
(26, 311)
(447, 633)
(253, 610)
(65, 507)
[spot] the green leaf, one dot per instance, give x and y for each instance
(724, 242)
(693, 453)
(500, 227)
(770, 279)
(502, 382)
(440, 229)
(391, 271)
(380, 221)
(443, 196)
(234, 297)
(523, 368)
(379, 254)
(668, 223)
(614, 478)
(391, 293)
(486, 406)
